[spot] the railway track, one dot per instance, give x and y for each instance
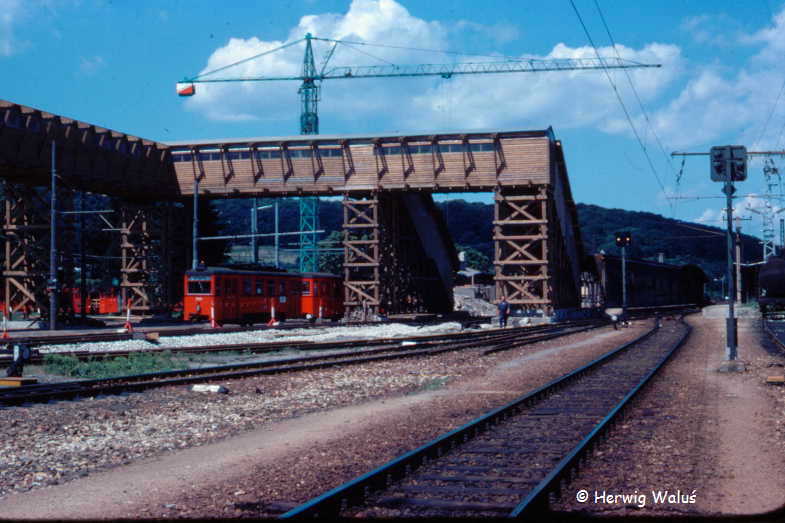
(263, 347)
(398, 348)
(166, 331)
(94, 337)
(509, 461)
(776, 332)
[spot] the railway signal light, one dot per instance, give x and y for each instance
(728, 163)
(623, 239)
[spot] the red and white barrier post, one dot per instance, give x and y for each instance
(5, 327)
(213, 323)
(321, 311)
(272, 315)
(128, 326)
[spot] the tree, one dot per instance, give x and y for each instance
(475, 259)
(331, 261)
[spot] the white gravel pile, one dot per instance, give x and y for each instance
(392, 330)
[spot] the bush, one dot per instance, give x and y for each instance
(109, 367)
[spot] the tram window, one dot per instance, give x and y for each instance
(198, 287)
(306, 288)
(260, 287)
(283, 288)
(218, 287)
(247, 287)
(270, 288)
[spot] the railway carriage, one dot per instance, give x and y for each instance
(649, 283)
(771, 285)
(247, 296)
(321, 296)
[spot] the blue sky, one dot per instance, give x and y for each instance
(115, 64)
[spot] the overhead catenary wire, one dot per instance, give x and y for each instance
(644, 112)
(620, 100)
(756, 143)
(634, 90)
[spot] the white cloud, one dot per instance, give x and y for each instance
(10, 12)
(564, 99)
(709, 216)
(500, 33)
(718, 30)
(720, 102)
(89, 66)
(529, 100)
(366, 21)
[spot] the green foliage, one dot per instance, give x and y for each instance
(680, 242)
(471, 226)
(434, 383)
(331, 261)
(475, 259)
(135, 363)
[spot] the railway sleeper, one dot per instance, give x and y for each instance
(424, 489)
(447, 505)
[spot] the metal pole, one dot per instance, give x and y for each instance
(82, 263)
(195, 230)
(782, 233)
(730, 322)
(254, 227)
(624, 277)
(277, 241)
(53, 286)
(738, 264)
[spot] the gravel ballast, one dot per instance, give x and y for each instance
(66, 440)
(277, 441)
(314, 334)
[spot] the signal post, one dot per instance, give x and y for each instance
(728, 165)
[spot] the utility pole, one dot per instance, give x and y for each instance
(277, 240)
(738, 263)
(82, 262)
(53, 286)
(195, 227)
(730, 324)
(254, 230)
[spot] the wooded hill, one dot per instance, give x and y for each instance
(470, 224)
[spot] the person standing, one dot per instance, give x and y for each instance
(504, 311)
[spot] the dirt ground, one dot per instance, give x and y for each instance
(693, 429)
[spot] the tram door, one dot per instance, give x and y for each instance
(231, 299)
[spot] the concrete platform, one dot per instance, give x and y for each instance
(741, 311)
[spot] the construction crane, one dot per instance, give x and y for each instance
(310, 79)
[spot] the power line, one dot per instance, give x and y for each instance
(771, 113)
(618, 97)
(634, 90)
(762, 196)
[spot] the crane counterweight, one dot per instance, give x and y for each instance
(186, 89)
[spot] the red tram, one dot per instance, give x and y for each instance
(245, 296)
(103, 301)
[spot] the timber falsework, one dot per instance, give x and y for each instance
(537, 242)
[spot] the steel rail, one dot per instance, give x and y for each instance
(354, 491)
(31, 393)
(295, 345)
(168, 331)
(537, 500)
(773, 335)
